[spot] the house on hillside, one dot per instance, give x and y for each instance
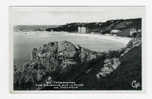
(82, 29)
(133, 31)
(126, 32)
(129, 32)
(115, 32)
(50, 29)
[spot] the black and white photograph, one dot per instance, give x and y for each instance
(76, 48)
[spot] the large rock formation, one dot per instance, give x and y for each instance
(64, 61)
(61, 56)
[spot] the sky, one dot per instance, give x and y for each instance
(63, 15)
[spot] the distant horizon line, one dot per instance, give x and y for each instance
(76, 22)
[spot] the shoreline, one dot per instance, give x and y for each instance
(123, 40)
(97, 42)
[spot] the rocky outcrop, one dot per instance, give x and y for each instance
(64, 61)
(135, 42)
(61, 55)
(56, 60)
(111, 64)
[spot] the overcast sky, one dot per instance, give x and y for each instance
(62, 15)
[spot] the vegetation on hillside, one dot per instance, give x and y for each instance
(96, 27)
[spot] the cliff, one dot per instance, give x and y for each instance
(64, 61)
(55, 59)
(126, 69)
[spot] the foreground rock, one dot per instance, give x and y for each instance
(64, 61)
(111, 64)
(61, 56)
(60, 60)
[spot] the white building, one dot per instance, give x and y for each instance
(82, 29)
(132, 31)
(115, 31)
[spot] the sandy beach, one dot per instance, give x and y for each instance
(123, 40)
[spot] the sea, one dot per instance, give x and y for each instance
(24, 42)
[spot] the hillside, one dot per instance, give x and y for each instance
(122, 78)
(122, 25)
(101, 27)
(124, 73)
